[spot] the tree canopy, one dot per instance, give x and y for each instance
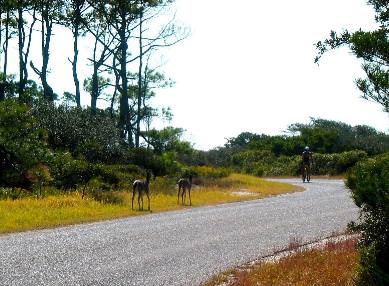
(372, 47)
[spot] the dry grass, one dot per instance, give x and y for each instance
(335, 264)
(30, 213)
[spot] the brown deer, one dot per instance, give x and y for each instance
(141, 187)
(183, 186)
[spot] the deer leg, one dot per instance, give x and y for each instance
(182, 196)
(139, 201)
(148, 200)
(132, 200)
(190, 200)
(178, 195)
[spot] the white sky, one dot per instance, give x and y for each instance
(250, 67)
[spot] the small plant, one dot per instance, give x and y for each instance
(41, 177)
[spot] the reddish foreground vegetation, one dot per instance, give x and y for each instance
(334, 264)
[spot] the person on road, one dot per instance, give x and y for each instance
(306, 159)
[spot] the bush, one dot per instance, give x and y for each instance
(22, 144)
(337, 163)
(210, 172)
(160, 165)
(13, 193)
(114, 198)
(70, 173)
(95, 137)
(369, 182)
(247, 157)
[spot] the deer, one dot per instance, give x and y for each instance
(141, 187)
(184, 185)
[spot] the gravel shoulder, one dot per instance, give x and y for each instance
(175, 248)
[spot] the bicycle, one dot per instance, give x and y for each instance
(306, 174)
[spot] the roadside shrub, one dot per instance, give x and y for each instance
(22, 144)
(124, 175)
(13, 193)
(95, 137)
(369, 182)
(160, 165)
(164, 185)
(265, 163)
(108, 197)
(346, 160)
(210, 172)
(255, 169)
(69, 173)
(337, 163)
(251, 156)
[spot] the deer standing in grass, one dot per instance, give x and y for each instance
(141, 187)
(183, 186)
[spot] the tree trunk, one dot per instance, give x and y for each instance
(22, 64)
(75, 74)
(124, 119)
(77, 22)
(140, 92)
(46, 37)
(6, 46)
(95, 89)
(3, 84)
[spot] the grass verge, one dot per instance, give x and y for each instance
(333, 264)
(51, 211)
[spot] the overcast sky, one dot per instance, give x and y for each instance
(248, 65)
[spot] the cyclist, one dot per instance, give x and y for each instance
(306, 160)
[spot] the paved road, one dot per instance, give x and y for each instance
(175, 248)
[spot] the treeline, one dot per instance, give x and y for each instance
(336, 146)
(123, 36)
(67, 146)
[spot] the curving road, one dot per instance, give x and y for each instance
(175, 248)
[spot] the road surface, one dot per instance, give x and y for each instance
(175, 248)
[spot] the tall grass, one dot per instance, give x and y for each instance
(32, 213)
(335, 264)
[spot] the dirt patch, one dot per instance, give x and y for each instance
(243, 193)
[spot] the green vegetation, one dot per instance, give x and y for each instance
(334, 264)
(336, 147)
(63, 164)
(70, 207)
(369, 180)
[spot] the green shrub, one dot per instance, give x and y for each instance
(108, 197)
(256, 169)
(161, 165)
(251, 156)
(22, 144)
(346, 160)
(13, 193)
(69, 173)
(210, 172)
(164, 185)
(337, 163)
(264, 164)
(369, 182)
(125, 175)
(95, 137)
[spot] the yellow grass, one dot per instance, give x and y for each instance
(30, 213)
(333, 265)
